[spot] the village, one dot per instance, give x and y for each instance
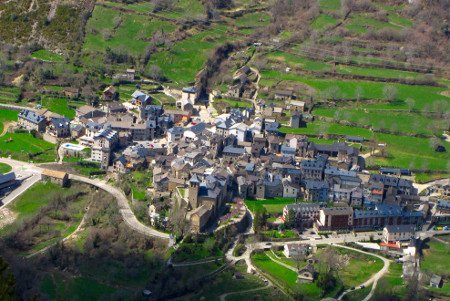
(216, 170)
(227, 150)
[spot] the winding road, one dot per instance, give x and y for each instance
(122, 201)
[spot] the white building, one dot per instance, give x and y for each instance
(294, 250)
(104, 142)
(395, 233)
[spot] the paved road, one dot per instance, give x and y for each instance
(124, 207)
(374, 279)
(122, 201)
(27, 183)
(422, 187)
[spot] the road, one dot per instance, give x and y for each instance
(374, 279)
(26, 183)
(422, 187)
(124, 207)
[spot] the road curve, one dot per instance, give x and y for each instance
(124, 207)
(122, 202)
(374, 279)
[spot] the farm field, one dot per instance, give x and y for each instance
(424, 96)
(9, 94)
(187, 57)
(126, 33)
(61, 106)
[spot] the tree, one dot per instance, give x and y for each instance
(290, 219)
(7, 282)
(359, 93)
(260, 218)
(390, 93)
(298, 258)
(160, 5)
(410, 103)
(155, 72)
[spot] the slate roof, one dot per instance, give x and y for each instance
(189, 90)
(60, 123)
(31, 116)
(233, 150)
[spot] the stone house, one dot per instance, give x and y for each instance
(31, 121)
(57, 177)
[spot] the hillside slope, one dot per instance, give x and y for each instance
(52, 23)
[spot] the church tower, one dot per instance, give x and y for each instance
(193, 189)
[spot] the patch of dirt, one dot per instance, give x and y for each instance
(17, 81)
(6, 217)
(445, 93)
(6, 126)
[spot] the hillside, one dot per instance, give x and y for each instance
(377, 69)
(51, 23)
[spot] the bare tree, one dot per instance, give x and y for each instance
(390, 93)
(410, 103)
(359, 93)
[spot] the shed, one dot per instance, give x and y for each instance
(57, 177)
(435, 281)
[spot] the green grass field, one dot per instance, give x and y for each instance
(253, 20)
(273, 206)
(5, 168)
(323, 21)
(396, 122)
(280, 273)
(435, 256)
(27, 204)
(9, 94)
(330, 4)
(62, 106)
(127, 33)
(47, 56)
(392, 282)
(358, 295)
(412, 152)
(78, 288)
(6, 116)
(425, 97)
(225, 283)
(359, 269)
(24, 147)
(185, 58)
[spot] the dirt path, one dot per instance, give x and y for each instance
(53, 8)
(224, 296)
(372, 280)
(6, 126)
(34, 5)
